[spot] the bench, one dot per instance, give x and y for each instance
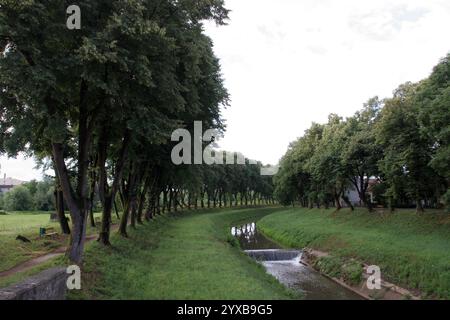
(48, 232)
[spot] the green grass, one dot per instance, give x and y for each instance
(27, 224)
(20, 276)
(412, 250)
(188, 256)
(12, 251)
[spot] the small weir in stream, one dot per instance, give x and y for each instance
(286, 266)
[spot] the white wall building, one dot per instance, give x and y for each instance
(6, 184)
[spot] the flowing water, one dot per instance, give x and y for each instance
(286, 267)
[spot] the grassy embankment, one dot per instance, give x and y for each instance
(188, 256)
(27, 224)
(412, 250)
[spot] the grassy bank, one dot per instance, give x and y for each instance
(412, 250)
(189, 256)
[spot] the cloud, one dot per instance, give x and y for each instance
(273, 32)
(317, 50)
(384, 23)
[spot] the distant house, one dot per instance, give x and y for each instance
(6, 184)
(353, 196)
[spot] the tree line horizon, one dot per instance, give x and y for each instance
(402, 142)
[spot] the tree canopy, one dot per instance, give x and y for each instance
(401, 143)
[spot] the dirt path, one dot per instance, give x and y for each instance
(27, 265)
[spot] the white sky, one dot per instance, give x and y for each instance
(288, 63)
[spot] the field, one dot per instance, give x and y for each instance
(412, 250)
(27, 224)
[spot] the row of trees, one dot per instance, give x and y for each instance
(402, 142)
(101, 102)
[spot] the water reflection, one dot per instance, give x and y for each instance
(251, 239)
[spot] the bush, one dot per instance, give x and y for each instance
(43, 197)
(352, 272)
(233, 241)
(331, 266)
(18, 199)
(3, 213)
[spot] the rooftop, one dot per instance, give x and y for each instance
(10, 182)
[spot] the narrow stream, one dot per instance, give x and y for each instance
(286, 267)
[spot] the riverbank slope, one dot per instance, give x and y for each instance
(411, 250)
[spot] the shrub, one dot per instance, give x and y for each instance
(18, 199)
(352, 272)
(233, 241)
(330, 266)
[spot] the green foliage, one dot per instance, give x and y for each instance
(433, 99)
(18, 199)
(402, 143)
(330, 266)
(352, 272)
(44, 196)
(34, 195)
(349, 270)
(407, 151)
(102, 102)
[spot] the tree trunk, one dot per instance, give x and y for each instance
(124, 221)
(391, 205)
(115, 209)
(164, 206)
(337, 201)
(348, 203)
(130, 199)
(142, 198)
(419, 206)
(202, 199)
(106, 222)
(92, 194)
(108, 197)
(59, 204)
(77, 207)
(133, 213)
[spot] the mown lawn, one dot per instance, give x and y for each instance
(188, 256)
(27, 224)
(412, 250)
